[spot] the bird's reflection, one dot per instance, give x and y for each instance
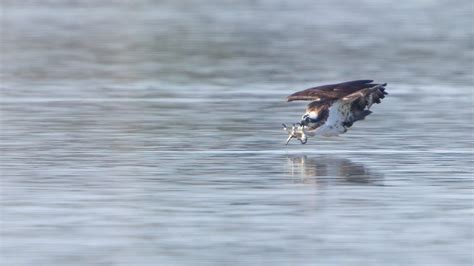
(325, 170)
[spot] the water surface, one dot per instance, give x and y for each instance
(148, 132)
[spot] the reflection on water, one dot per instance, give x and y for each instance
(327, 169)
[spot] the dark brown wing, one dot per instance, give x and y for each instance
(331, 92)
(359, 104)
(318, 106)
(366, 97)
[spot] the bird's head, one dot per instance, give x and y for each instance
(309, 119)
(305, 120)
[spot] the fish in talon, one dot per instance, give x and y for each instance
(296, 132)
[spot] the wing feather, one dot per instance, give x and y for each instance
(331, 91)
(366, 97)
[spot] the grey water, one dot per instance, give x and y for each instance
(148, 133)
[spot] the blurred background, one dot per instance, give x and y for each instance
(148, 132)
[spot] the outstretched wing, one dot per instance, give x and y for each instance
(351, 108)
(366, 97)
(331, 92)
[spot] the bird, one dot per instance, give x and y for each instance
(334, 108)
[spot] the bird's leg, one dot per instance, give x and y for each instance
(291, 133)
(303, 139)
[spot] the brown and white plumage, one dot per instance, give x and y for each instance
(335, 107)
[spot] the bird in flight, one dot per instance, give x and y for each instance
(334, 108)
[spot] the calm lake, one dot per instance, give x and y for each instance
(149, 133)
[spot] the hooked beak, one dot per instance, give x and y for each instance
(304, 122)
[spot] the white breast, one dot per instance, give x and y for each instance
(338, 113)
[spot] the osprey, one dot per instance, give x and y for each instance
(334, 108)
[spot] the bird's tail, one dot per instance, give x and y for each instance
(362, 115)
(358, 115)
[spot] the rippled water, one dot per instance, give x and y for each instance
(148, 132)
